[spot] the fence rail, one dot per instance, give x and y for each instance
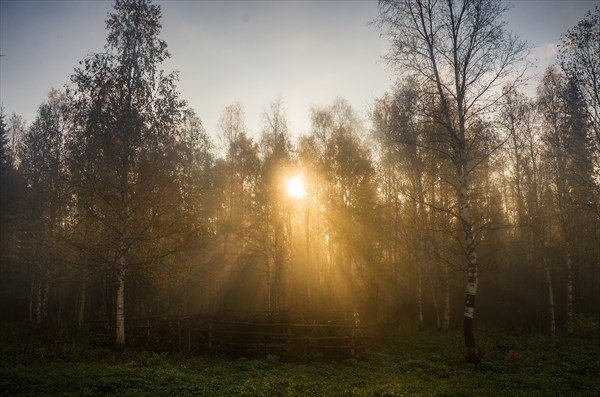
(191, 334)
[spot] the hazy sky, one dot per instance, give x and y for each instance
(309, 52)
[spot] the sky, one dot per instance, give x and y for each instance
(252, 52)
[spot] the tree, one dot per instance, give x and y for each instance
(5, 162)
(9, 197)
(462, 51)
(15, 129)
(178, 283)
(43, 166)
(414, 172)
(513, 117)
(343, 205)
(353, 216)
(579, 57)
(275, 148)
(239, 173)
(565, 148)
(128, 110)
(526, 181)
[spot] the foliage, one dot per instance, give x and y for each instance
(412, 364)
(115, 202)
(582, 325)
(579, 57)
(4, 148)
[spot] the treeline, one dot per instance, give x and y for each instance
(116, 202)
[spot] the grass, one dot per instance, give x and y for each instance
(412, 364)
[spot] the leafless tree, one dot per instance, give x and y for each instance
(462, 51)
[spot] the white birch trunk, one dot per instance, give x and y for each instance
(569, 284)
(569, 289)
(472, 276)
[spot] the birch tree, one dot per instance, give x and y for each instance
(127, 112)
(565, 141)
(408, 139)
(275, 148)
(461, 50)
(527, 180)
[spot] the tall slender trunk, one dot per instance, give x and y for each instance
(309, 268)
(60, 297)
(46, 290)
(550, 295)
(38, 300)
(278, 263)
(472, 276)
(120, 309)
(445, 325)
(435, 304)
(420, 294)
(31, 300)
(269, 283)
(569, 289)
(569, 283)
(82, 304)
(446, 322)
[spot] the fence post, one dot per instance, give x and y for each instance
(210, 335)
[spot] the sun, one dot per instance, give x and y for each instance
(295, 186)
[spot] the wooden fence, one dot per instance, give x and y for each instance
(199, 335)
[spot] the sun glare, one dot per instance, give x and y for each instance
(295, 186)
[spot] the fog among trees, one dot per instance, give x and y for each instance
(117, 204)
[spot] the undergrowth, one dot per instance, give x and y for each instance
(410, 363)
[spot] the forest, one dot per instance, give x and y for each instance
(117, 204)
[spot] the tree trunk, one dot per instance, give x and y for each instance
(446, 322)
(44, 301)
(420, 295)
(569, 290)
(31, 301)
(550, 296)
(82, 304)
(472, 277)
(120, 309)
(569, 284)
(269, 282)
(309, 269)
(38, 297)
(435, 304)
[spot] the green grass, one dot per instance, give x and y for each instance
(419, 364)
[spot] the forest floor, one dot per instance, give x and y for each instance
(410, 364)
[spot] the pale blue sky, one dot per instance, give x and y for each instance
(309, 52)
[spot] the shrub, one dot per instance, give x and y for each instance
(583, 325)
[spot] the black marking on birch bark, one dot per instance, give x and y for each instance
(470, 300)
